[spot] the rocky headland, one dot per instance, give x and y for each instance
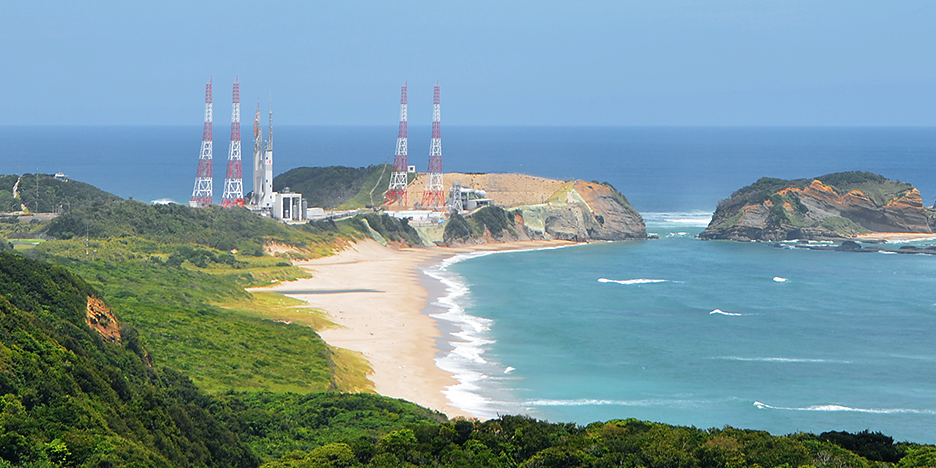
(831, 207)
(575, 210)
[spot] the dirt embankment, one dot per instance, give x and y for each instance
(506, 190)
(100, 318)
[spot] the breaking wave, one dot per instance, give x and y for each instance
(722, 312)
(632, 281)
(780, 359)
(840, 408)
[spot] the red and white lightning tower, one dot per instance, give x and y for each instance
(234, 180)
(433, 197)
(201, 195)
(397, 190)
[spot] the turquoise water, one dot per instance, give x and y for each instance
(698, 333)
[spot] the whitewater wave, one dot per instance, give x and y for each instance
(601, 402)
(840, 408)
(466, 360)
(632, 281)
(686, 218)
(722, 312)
(780, 359)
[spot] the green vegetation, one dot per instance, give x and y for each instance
(68, 398)
(338, 187)
(392, 229)
(493, 219)
(277, 425)
(54, 195)
(843, 226)
(879, 189)
(516, 441)
(219, 228)
(173, 273)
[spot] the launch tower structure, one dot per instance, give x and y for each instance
(257, 159)
(234, 179)
(397, 190)
(202, 193)
(268, 197)
(433, 196)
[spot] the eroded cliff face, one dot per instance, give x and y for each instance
(577, 211)
(772, 210)
(583, 211)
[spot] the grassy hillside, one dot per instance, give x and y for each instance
(338, 187)
(69, 398)
(53, 195)
(171, 270)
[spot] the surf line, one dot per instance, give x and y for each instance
(722, 312)
(760, 405)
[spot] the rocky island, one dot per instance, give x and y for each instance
(834, 206)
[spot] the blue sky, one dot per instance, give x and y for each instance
(499, 63)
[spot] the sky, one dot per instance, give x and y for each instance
(724, 63)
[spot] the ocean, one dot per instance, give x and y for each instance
(675, 330)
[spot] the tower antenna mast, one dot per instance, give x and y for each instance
(234, 179)
(202, 193)
(397, 190)
(433, 197)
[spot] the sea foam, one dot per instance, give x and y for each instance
(466, 360)
(722, 312)
(632, 281)
(780, 359)
(839, 408)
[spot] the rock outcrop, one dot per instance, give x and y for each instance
(100, 318)
(577, 211)
(833, 206)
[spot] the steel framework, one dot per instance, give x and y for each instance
(234, 179)
(396, 193)
(202, 193)
(433, 196)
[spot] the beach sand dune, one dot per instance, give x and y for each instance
(374, 296)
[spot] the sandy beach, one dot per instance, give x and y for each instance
(373, 293)
(895, 236)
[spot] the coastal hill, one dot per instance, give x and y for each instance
(537, 208)
(833, 206)
(534, 208)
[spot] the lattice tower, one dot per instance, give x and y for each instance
(234, 179)
(202, 193)
(396, 193)
(434, 197)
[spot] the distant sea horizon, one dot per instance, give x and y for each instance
(659, 169)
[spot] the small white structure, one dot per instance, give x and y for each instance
(288, 206)
(411, 168)
(419, 217)
(466, 199)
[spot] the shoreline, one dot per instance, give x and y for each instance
(377, 298)
(895, 237)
